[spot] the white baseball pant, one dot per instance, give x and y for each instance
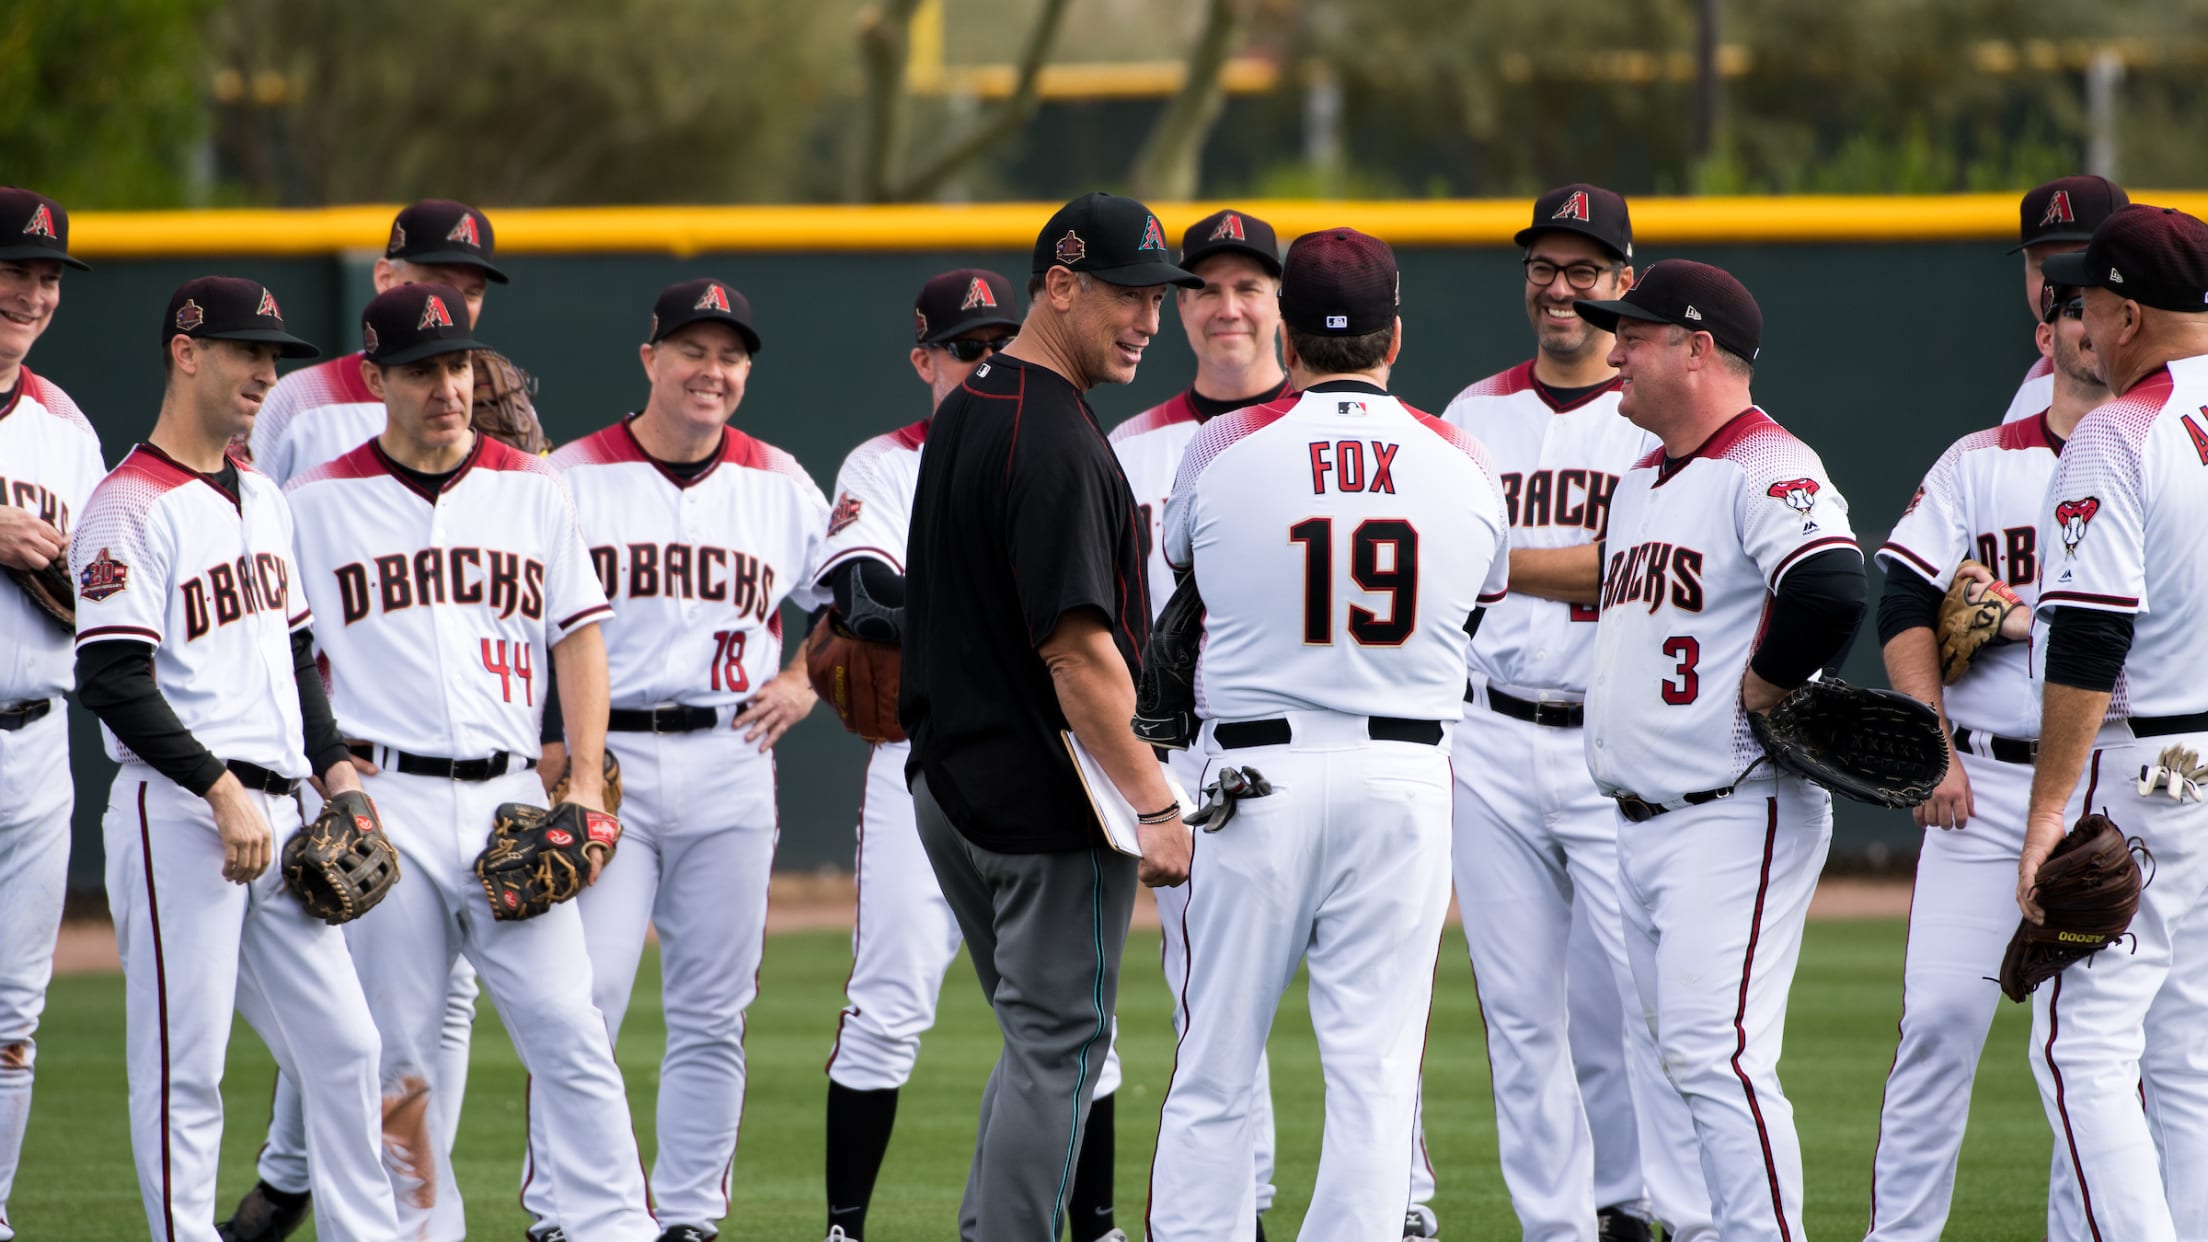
(34, 878)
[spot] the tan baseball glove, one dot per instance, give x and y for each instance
(504, 409)
(612, 796)
(1970, 618)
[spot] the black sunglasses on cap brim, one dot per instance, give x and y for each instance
(974, 351)
(2060, 300)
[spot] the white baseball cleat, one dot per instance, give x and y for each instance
(1116, 1235)
(836, 1234)
(1420, 1223)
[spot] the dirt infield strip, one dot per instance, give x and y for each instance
(823, 902)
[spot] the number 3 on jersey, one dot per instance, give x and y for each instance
(1685, 684)
(511, 662)
(1383, 560)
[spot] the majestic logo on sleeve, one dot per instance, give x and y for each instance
(1574, 208)
(434, 314)
(846, 512)
(978, 296)
(714, 298)
(1153, 237)
(103, 576)
(1228, 229)
(2058, 210)
(2070, 519)
(464, 232)
(268, 306)
(41, 223)
(1071, 249)
(1800, 495)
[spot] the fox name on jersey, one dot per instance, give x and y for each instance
(503, 582)
(700, 571)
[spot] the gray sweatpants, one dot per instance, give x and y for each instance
(1045, 932)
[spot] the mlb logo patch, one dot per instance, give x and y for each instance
(1337, 322)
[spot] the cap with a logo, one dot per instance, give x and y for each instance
(2155, 256)
(1588, 210)
(1115, 239)
(1230, 232)
(230, 308)
(961, 301)
(1339, 282)
(33, 226)
(2066, 209)
(413, 322)
(439, 230)
(694, 301)
(1695, 296)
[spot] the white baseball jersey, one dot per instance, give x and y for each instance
(464, 591)
(1983, 499)
(1340, 540)
(873, 508)
(165, 556)
(1695, 550)
(1149, 447)
(2035, 394)
(312, 415)
(1559, 467)
(49, 464)
(2122, 525)
(700, 566)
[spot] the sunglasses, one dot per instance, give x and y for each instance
(2055, 301)
(975, 351)
(1540, 273)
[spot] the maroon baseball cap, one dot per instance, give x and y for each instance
(1588, 210)
(1230, 231)
(960, 301)
(439, 230)
(413, 322)
(230, 308)
(2066, 209)
(1695, 296)
(1339, 282)
(33, 226)
(2155, 256)
(691, 301)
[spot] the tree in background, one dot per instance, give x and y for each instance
(103, 100)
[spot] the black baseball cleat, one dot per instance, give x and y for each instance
(554, 1234)
(1261, 1228)
(1614, 1224)
(685, 1233)
(1419, 1222)
(266, 1214)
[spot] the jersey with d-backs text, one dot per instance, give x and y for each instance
(1982, 499)
(2036, 393)
(1340, 540)
(312, 415)
(1149, 448)
(1696, 548)
(698, 567)
(873, 509)
(164, 556)
(49, 464)
(438, 609)
(1559, 466)
(2122, 524)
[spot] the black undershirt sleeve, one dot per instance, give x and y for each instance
(2086, 647)
(1908, 602)
(1813, 618)
(1472, 622)
(325, 747)
(870, 597)
(115, 683)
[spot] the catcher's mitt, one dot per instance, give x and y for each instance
(52, 590)
(1165, 694)
(503, 408)
(858, 678)
(611, 796)
(342, 864)
(1874, 746)
(1967, 623)
(2088, 890)
(537, 859)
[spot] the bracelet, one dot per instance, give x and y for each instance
(1163, 815)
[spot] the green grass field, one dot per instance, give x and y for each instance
(76, 1181)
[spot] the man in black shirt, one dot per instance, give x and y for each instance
(1025, 616)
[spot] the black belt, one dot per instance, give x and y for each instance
(2163, 726)
(254, 776)
(15, 717)
(448, 769)
(2004, 749)
(1242, 734)
(1554, 715)
(1641, 810)
(662, 719)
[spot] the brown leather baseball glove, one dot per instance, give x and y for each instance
(612, 795)
(52, 590)
(2088, 889)
(1971, 619)
(537, 859)
(342, 864)
(858, 679)
(504, 409)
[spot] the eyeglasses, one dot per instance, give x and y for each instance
(1540, 273)
(974, 351)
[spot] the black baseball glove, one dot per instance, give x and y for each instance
(537, 859)
(1165, 698)
(2088, 889)
(1874, 746)
(342, 864)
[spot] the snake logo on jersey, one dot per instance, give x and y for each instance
(2070, 519)
(688, 571)
(504, 582)
(1800, 495)
(228, 591)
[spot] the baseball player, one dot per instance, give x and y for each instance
(699, 531)
(455, 572)
(50, 462)
(2055, 218)
(2123, 723)
(1730, 577)
(1980, 501)
(314, 415)
(904, 936)
(193, 649)
(1343, 546)
(1536, 843)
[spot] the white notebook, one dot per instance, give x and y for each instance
(1114, 812)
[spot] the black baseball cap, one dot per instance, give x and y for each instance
(2066, 209)
(33, 226)
(1695, 296)
(1588, 210)
(958, 302)
(2155, 256)
(439, 230)
(413, 322)
(230, 308)
(1115, 239)
(690, 301)
(1230, 231)
(1339, 282)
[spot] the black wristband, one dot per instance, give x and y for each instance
(1163, 815)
